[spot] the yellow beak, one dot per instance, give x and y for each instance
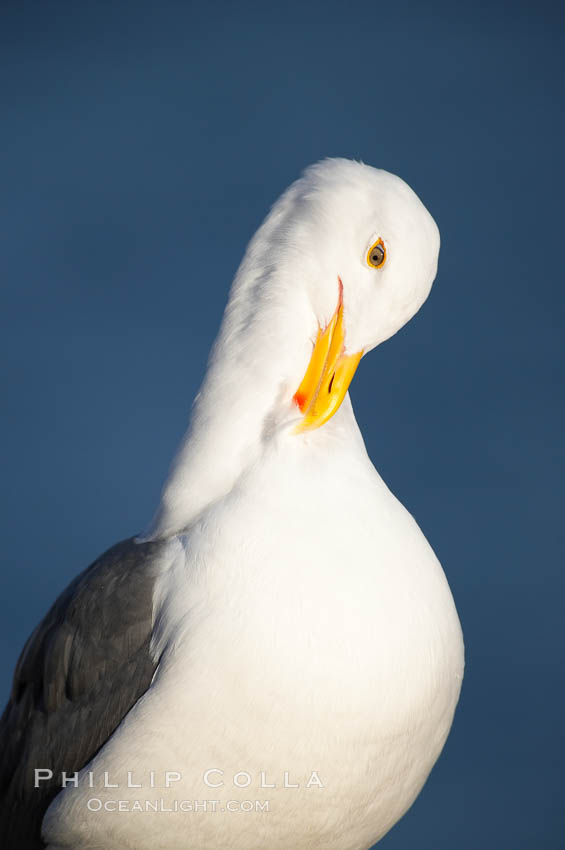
(328, 375)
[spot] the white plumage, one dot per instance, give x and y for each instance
(302, 623)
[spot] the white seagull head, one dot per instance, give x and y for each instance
(324, 227)
(353, 250)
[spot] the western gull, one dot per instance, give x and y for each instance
(276, 662)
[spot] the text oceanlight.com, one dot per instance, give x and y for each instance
(95, 804)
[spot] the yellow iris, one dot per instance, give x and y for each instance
(376, 255)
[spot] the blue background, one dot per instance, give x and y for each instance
(142, 144)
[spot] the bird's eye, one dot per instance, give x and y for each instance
(376, 255)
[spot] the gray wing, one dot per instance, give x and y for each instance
(80, 672)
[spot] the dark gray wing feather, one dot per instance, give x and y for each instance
(80, 672)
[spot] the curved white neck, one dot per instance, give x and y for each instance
(256, 365)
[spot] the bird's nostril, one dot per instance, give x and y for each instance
(331, 383)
